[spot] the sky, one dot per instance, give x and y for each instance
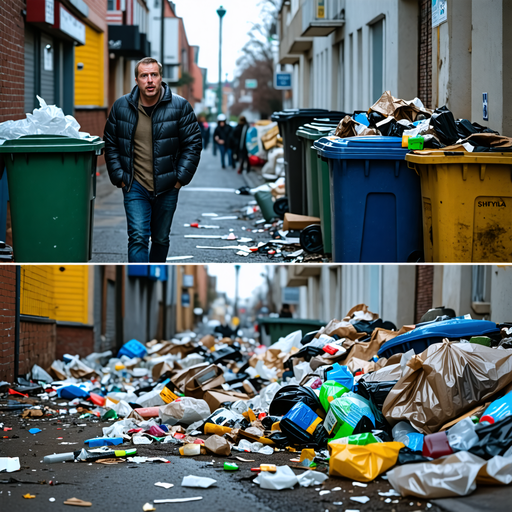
(250, 278)
(202, 27)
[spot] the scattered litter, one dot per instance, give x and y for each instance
(77, 502)
(360, 499)
(164, 485)
(197, 481)
(29, 496)
(178, 500)
(34, 430)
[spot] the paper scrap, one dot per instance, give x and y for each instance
(197, 481)
(360, 499)
(178, 500)
(77, 502)
(164, 485)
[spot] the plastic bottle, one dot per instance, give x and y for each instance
(61, 457)
(498, 409)
(436, 445)
(462, 436)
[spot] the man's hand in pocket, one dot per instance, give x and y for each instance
(178, 185)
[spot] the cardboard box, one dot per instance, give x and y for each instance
(294, 221)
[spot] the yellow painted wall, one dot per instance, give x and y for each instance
(37, 298)
(71, 293)
(49, 291)
(89, 82)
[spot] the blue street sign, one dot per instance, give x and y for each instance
(282, 80)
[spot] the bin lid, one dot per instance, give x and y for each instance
(429, 157)
(51, 144)
(454, 328)
(312, 132)
(361, 148)
(285, 115)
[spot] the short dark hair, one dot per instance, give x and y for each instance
(147, 60)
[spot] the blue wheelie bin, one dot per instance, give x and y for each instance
(375, 200)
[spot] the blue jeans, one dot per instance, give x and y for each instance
(148, 216)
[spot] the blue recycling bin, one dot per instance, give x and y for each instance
(375, 200)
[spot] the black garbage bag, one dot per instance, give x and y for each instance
(369, 326)
(224, 330)
(394, 129)
(465, 128)
(288, 396)
(268, 421)
(407, 456)
(307, 353)
(225, 354)
(375, 392)
(444, 125)
(280, 439)
(226, 418)
(374, 118)
(303, 427)
(495, 439)
(307, 338)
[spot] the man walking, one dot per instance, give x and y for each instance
(152, 148)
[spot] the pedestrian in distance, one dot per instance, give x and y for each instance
(205, 130)
(152, 149)
(221, 136)
(239, 144)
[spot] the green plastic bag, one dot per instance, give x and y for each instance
(329, 391)
(359, 439)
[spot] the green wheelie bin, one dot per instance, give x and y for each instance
(317, 189)
(52, 187)
(280, 327)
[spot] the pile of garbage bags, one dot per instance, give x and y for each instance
(437, 420)
(421, 128)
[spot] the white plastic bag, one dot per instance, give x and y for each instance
(186, 410)
(45, 120)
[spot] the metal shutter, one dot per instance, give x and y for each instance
(89, 72)
(47, 75)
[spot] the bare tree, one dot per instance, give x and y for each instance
(257, 61)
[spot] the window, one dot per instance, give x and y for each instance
(111, 5)
(377, 35)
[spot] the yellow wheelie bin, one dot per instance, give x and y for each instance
(467, 205)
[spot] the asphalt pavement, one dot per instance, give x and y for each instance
(211, 191)
(128, 486)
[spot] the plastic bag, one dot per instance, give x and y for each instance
(454, 475)
(462, 436)
(443, 123)
(494, 439)
(288, 396)
(340, 374)
(329, 391)
(362, 463)
(498, 410)
(37, 374)
(434, 388)
(45, 120)
(185, 410)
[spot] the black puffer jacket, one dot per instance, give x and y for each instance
(177, 140)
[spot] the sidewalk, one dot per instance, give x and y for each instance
(211, 191)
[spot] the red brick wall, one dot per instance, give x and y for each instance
(38, 344)
(7, 321)
(93, 122)
(424, 290)
(425, 53)
(74, 340)
(12, 60)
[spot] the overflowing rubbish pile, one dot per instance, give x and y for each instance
(434, 414)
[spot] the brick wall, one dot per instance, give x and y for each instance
(7, 321)
(92, 121)
(38, 344)
(74, 340)
(424, 290)
(425, 53)
(12, 60)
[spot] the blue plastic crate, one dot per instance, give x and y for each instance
(132, 348)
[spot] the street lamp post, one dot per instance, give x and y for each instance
(221, 12)
(237, 274)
